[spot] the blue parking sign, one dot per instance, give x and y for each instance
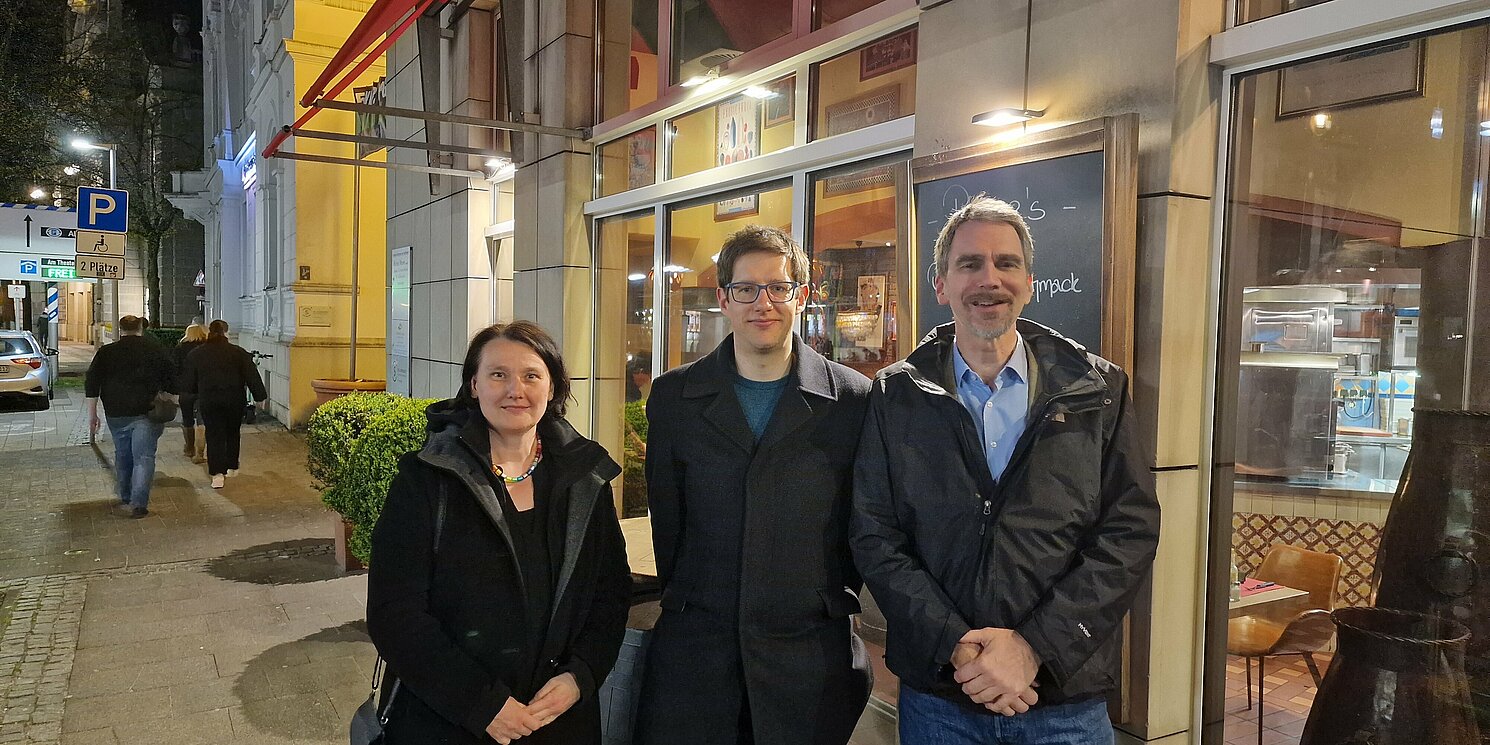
(28, 267)
(103, 209)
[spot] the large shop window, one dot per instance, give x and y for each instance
(869, 85)
(710, 33)
(694, 323)
(628, 55)
(754, 122)
(629, 162)
(625, 276)
(1349, 243)
(856, 241)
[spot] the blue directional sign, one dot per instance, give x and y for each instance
(103, 209)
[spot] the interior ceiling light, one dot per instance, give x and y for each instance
(1005, 117)
(636, 276)
(697, 80)
(756, 91)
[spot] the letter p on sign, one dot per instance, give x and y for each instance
(103, 209)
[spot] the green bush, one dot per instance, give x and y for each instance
(634, 461)
(167, 335)
(335, 426)
(354, 455)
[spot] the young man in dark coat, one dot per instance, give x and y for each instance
(1004, 509)
(749, 463)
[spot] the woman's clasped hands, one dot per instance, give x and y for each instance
(517, 719)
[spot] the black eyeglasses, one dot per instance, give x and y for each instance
(747, 292)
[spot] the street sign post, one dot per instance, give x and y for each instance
(100, 267)
(16, 293)
(97, 243)
(103, 219)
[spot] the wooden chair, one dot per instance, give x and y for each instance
(1306, 633)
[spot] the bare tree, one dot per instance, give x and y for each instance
(124, 100)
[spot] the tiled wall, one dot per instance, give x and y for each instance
(1354, 540)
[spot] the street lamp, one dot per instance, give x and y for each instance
(80, 143)
(38, 193)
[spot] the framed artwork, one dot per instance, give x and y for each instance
(1353, 79)
(875, 107)
(641, 158)
(849, 183)
(737, 124)
(888, 55)
(781, 107)
(730, 209)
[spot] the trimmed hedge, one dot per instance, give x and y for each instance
(634, 461)
(355, 444)
(169, 336)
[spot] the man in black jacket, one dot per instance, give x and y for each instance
(749, 468)
(126, 375)
(1004, 509)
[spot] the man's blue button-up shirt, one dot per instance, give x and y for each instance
(999, 412)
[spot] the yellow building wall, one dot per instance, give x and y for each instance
(323, 225)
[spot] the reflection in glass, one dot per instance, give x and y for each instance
(873, 84)
(623, 354)
(629, 162)
(755, 122)
(1252, 10)
(628, 55)
(695, 325)
(708, 34)
(832, 11)
(853, 309)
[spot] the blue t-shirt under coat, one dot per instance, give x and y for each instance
(758, 401)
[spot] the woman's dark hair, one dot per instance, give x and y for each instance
(533, 337)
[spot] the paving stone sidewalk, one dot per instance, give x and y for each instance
(218, 618)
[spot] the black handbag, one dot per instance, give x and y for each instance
(163, 409)
(368, 721)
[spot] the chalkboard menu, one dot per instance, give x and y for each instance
(1076, 187)
(1061, 200)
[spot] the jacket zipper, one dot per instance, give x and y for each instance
(1021, 455)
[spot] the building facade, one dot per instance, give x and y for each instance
(1290, 258)
(281, 235)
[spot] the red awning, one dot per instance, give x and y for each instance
(386, 18)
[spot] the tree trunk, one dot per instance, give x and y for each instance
(151, 261)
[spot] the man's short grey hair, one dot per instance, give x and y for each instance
(983, 208)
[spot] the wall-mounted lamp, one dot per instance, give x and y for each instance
(1005, 117)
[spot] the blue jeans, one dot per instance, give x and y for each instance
(135, 438)
(928, 720)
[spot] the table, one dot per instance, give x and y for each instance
(1261, 600)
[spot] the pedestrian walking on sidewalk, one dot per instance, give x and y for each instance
(218, 373)
(192, 433)
(510, 633)
(126, 376)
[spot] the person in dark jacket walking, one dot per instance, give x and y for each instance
(505, 624)
(1004, 511)
(126, 375)
(217, 374)
(192, 434)
(749, 465)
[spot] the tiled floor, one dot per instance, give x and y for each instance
(1288, 691)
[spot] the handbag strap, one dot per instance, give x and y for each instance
(435, 551)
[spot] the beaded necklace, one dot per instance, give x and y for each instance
(537, 456)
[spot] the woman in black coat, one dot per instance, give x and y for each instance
(503, 625)
(217, 374)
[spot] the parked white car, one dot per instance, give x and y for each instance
(27, 370)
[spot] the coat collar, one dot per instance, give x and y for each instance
(715, 374)
(1063, 367)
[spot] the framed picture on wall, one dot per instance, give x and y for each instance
(641, 158)
(730, 209)
(869, 178)
(888, 55)
(781, 106)
(737, 124)
(1352, 79)
(875, 107)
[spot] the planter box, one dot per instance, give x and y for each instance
(341, 532)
